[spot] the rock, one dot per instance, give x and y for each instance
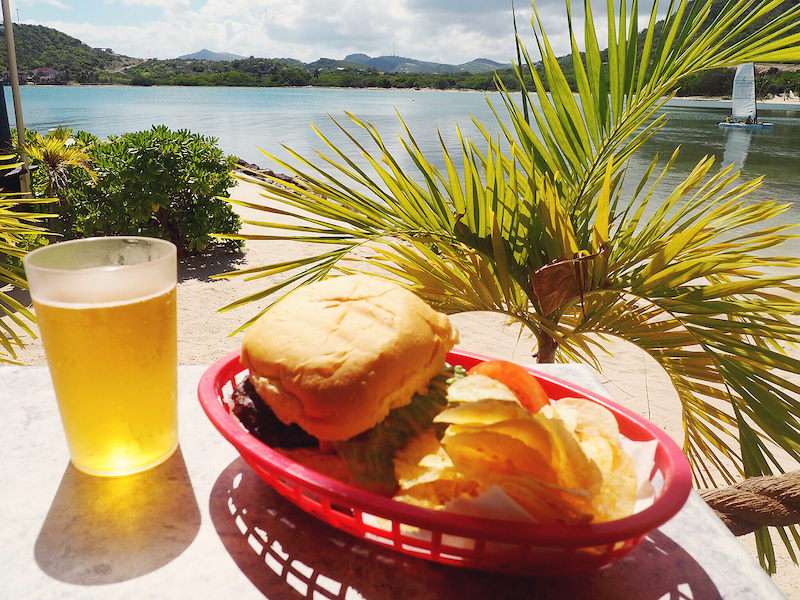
(257, 172)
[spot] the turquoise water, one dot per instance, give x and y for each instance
(245, 119)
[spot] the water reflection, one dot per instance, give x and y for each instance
(737, 142)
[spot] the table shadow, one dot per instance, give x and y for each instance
(102, 530)
(287, 553)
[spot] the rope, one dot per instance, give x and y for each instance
(768, 501)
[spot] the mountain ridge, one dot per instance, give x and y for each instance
(48, 56)
(38, 46)
(206, 54)
(402, 64)
(389, 64)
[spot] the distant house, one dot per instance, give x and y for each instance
(108, 50)
(44, 74)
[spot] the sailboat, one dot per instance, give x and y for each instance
(744, 113)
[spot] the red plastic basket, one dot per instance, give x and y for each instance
(481, 543)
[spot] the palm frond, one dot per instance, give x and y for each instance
(536, 227)
(15, 228)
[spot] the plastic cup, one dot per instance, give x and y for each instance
(106, 309)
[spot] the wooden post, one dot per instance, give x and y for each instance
(25, 178)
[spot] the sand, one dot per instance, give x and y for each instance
(205, 334)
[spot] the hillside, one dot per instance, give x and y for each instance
(325, 72)
(37, 46)
(76, 62)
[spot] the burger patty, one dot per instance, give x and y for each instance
(257, 417)
(368, 456)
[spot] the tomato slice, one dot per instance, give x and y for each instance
(528, 391)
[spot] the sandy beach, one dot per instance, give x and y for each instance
(204, 335)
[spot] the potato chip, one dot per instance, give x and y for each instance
(426, 474)
(563, 464)
(575, 469)
(435, 494)
(538, 449)
(601, 451)
(330, 464)
(532, 432)
(598, 432)
(479, 454)
(618, 493)
(546, 504)
(482, 412)
(478, 387)
(590, 419)
(421, 460)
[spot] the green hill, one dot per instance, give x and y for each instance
(42, 47)
(770, 79)
(39, 46)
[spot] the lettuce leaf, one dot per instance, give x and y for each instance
(370, 454)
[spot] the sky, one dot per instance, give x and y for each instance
(447, 31)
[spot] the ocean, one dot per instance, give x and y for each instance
(248, 120)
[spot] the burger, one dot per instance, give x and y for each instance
(342, 372)
(348, 377)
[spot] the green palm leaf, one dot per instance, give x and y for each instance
(15, 228)
(687, 279)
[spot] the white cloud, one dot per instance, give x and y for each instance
(53, 3)
(451, 31)
(167, 5)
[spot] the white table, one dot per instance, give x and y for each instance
(184, 530)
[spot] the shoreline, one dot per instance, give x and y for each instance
(774, 103)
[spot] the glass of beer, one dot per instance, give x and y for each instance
(106, 309)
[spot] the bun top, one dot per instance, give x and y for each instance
(337, 355)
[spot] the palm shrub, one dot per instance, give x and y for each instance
(536, 226)
(58, 156)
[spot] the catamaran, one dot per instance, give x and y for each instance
(744, 113)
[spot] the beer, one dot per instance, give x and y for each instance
(107, 316)
(114, 370)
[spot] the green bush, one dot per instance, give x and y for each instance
(157, 183)
(716, 82)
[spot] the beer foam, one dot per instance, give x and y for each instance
(101, 272)
(74, 302)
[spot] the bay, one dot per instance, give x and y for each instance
(244, 120)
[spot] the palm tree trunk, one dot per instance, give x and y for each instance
(547, 348)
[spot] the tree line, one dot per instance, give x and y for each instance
(39, 46)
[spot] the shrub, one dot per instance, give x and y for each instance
(160, 183)
(157, 183)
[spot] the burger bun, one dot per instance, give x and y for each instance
(337, 355)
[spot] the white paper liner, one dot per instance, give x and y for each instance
(644, 459)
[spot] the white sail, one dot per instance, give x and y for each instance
(744, 92)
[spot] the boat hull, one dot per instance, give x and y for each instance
(745, 125)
